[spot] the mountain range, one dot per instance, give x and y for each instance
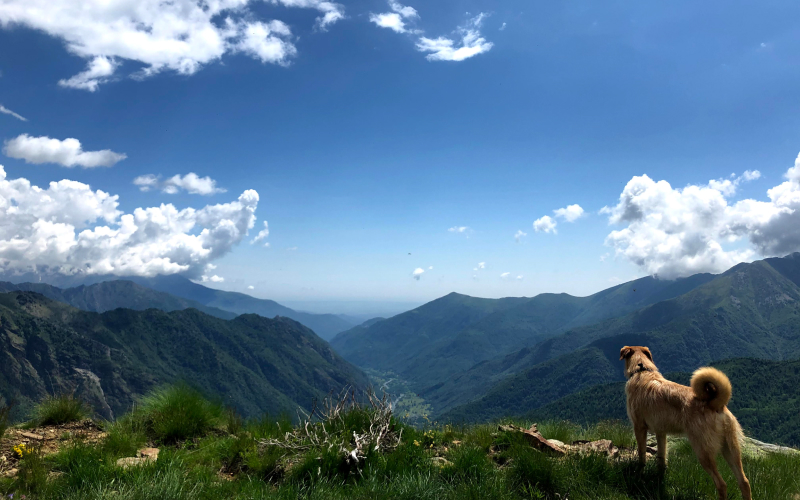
(101, 293)
(511, 356)
(255, 364)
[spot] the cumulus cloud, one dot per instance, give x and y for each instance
(262, 235)
(503, 27)
(70, 229)
(481, 265)
(69, 153)
(158, 35)
(519, 235)
(395, 20)
(417, 273)
(673, 232)
(7, 111)
(505, 276)
(570, 213)
(471, 43)
(519, 278)
(545, 224)
(191, 183)
(251, 287)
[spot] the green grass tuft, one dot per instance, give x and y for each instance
(60, 409)
(176, 413)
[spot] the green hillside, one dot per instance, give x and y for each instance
(751, 310)
(215, 302)
(434, 342)
(110, 295)
(256, 364)
(766, 400)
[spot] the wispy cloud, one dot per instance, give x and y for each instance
(191, 183)
(469, 45)
(7, 111)
(262, 235)
(519, 235)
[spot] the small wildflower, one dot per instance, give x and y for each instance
(416, 443)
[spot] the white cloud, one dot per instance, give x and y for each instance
(503, 27)
(7, 111)
(98, 71)
(520, 278)
(430, 268)
(291, 249)
(214, 279)
(262, 235)
(505, 276)
(158, 35)
(68, 228)
(677, 232)
(459, 229)
(146, 182)
(570, 213)
(519, 235)
(68, 152)
(331, 11)
(545, 224)
(417, 274)
(481, 265)
(395, 20)
(604, 257)
(446, 49)
(191, 183)
(251, 287)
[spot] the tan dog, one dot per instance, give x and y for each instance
(699, 412)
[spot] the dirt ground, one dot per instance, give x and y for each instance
(47, 440)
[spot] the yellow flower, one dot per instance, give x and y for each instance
(20, 450)
(416, 443)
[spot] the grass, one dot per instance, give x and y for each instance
(226, 457)
(59, 409)
(176, 413)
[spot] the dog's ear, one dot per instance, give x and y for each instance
(647, 353)
(625, 352)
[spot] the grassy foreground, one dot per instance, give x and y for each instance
(351, 450)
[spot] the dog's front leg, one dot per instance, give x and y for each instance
(641, 440)
(662, 449)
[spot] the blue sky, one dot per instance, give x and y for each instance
(364, 152)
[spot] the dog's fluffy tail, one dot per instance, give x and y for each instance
(712, 386)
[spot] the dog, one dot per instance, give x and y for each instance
(699, 412)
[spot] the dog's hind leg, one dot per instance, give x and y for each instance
(733, 455)
(641, 440)
(661, 438)
(709, 463)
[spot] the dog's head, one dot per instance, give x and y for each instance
(637, 359)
